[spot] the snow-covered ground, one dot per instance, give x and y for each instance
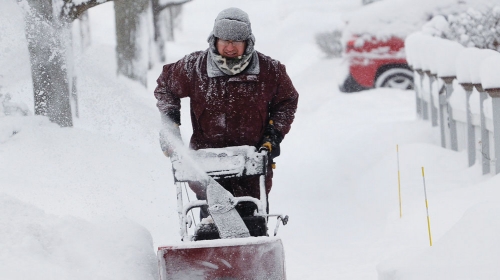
(94, 201)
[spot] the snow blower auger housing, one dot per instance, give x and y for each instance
(233, 247)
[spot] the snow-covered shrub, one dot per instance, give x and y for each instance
(438, 26)
(9, 108)
(330, 43)
(366, 2)
(474, 28)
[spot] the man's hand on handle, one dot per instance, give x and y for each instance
(271, 141)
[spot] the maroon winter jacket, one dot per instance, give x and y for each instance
(228, 110)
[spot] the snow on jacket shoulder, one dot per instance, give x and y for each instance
(228, 110)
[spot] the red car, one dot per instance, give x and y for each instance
(376, 63)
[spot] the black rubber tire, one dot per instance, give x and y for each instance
(351, 85)
(396, 78)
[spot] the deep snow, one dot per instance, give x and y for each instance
(94, 201)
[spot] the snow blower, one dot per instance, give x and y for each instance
(223, 245)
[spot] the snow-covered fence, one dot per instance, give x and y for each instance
(469, 76)
(459, 88)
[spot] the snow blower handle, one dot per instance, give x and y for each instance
(266, 149)
(284, 220)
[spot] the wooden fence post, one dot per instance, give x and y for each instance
(495, 96)
(418, 92)
(471, 135)
(442, 108)
(425, 105)
(452, 124)
(432, 78)
(485, 135)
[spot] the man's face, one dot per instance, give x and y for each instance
(230, 49)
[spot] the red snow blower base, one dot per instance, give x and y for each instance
(242, 258)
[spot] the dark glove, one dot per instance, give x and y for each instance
(271, 141)
(170, 137)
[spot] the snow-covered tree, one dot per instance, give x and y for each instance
(142, 27)
(165, 13)
(132, 38)
(47, 31)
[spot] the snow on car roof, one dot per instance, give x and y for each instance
(401, 17)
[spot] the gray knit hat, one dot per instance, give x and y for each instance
(232, 24)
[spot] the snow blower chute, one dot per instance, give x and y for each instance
(224, 245)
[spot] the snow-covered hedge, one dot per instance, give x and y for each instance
(389, 18)
(478, 28)
(474, 28)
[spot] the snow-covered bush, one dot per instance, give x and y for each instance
(366, 2)
(438, 26)
(9, 108)
(330, 43)
(474, 28)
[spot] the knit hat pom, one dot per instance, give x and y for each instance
(232, 24)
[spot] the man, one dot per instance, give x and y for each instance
(238, 96)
